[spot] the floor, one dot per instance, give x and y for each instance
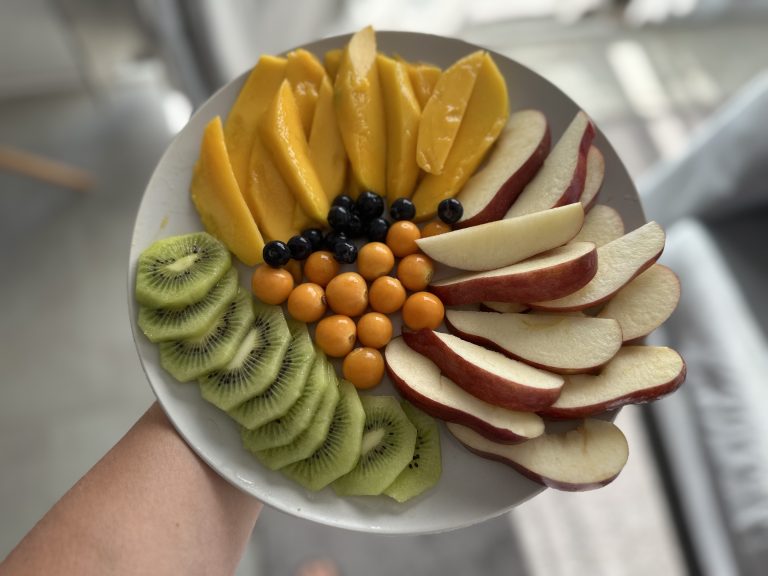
(72, 384)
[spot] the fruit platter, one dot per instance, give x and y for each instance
(397, 283)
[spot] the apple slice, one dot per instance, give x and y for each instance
(549, 275)
(602, 224)
(588, 457)
(645, 303)
(419, 380)
(502, 307)
(486, 374)
(514, 161)
(636, 374)
(561, 178)
(594, 179)
(562, 344)
(503, 242)
(618, 262)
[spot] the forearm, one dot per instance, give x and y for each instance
(150, 506)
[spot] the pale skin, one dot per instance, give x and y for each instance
(150, 506)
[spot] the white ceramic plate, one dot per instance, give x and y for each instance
(471, 489)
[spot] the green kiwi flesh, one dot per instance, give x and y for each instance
(308, 441)
(178, 271)
(190, 358)
(340, 450)
(255, 364)
(285, 429)
(425, 468)
(389, 439)
(287, 386)
(161, 324)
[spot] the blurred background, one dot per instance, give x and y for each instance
(91, 93)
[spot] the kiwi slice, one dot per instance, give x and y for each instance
(425, 468)
(287, 386)
(285, 429)
(190, 358)
(178, 271)
(388, 442)
(308, 441)
(161, 324)
(340, 450)
(256, 363)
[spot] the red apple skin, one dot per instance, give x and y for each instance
(562, 279)
(490, 344)
(573, 192)
(636, 397)
(478, 382)
(449, 414)
(604, 299)
(538, 478)
(588, 206)
(512, 187)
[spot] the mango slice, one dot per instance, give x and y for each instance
(360, 111)
(423, 78)
(326, 148)
(486, 115)
(284, 136)
(403, 113)
(443, 113)
(272, 203)
(331, 61)
(305, 73)
(243, 119)
(218, 200)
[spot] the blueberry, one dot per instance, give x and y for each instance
(300, 247)
(338, 218)
(276, 253)
(377, 230)
(355, 228)
(315, 236)
(369, 205)
(344, 201)
(345, 252)
(330, 240)
(402, 209)
(450, 210)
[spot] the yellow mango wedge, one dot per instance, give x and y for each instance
(403, 113)
(268, 197)
(331, 61)
(284, 136)
(243, 119)
(423, 78)
(271, 200)
(305, 73)
(360, 111)
(444, 111)
(218, 200)
(326, 148)
(486, 115)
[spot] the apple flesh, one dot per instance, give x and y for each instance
(636, 374)
(561, 344)
(645, 303)
(602, 224)
(503, 242)
(594, 179)
(419, 380)
(516, 157)
(561, 178)
(618, 262)
(587, 457)
(487, 374)
(549, 275)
